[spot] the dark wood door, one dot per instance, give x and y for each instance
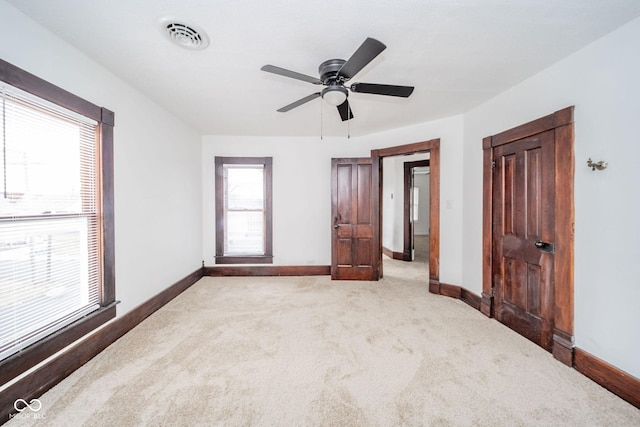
(353, 253)
(523, 236)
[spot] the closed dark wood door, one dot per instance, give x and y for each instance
(523, 236)
(353, 254)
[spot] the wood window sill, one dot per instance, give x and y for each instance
(240, 259)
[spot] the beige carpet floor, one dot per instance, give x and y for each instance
(312, 352)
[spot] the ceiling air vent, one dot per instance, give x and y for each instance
(184, 34)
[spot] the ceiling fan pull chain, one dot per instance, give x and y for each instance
(321, 121)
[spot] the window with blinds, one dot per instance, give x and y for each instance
(243, 210)
(50, 231)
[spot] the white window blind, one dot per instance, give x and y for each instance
(49, 219)
(244, 209)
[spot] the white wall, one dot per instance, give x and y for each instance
(390, 197)
(302, 188)
(158, 207)
(602, 81)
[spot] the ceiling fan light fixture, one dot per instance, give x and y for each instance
(334, 95)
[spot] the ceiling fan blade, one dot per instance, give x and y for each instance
(389, 90)
(345, 110)
(292, 74)
(367, 51)
(299, 102)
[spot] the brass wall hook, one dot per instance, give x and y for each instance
(601, 165)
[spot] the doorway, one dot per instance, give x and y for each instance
(432, 147)
(416, 210)
(405, 206)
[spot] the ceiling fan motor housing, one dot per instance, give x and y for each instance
(328, 70)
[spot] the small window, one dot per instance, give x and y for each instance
(243, 210)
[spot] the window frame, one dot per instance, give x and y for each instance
(17, 364)
(220, 257)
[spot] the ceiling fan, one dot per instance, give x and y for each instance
(334, 73)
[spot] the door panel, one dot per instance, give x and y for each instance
(364, 214)
(523, 214)
(343, 191)
(353, 252)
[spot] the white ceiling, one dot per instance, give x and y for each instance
(457, 53)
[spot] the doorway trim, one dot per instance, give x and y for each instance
(561, 122)
(433, 148)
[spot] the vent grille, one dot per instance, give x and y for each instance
(184, 34)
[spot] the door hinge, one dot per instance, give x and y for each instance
(492, 293)
(493, 164)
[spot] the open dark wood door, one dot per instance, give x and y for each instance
(353, 251)
(524, 236)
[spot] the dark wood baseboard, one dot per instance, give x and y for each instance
(451, 291)
(434, 286)
(470, 298)
(563, 347)
(146, 309)
(268, 270)
(394, 255)
(486, 304)
(51, 373)
(618, 382)
(388, 252)
(454, 291)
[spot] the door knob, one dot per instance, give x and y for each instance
(545, 246)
